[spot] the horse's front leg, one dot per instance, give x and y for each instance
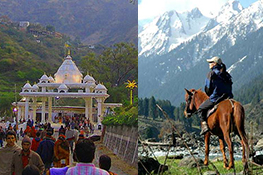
(207, 141)
(222, 148)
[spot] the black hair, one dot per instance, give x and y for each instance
(105, 162)
(31, 169)
(85, 150)
(38, 134)
(11, 132)
(223, 67)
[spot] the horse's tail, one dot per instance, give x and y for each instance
(239, 121)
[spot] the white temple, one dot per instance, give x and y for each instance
(67, 82)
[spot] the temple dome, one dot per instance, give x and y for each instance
(51, 79)
(62, 87)
(100, 87)
(35, 87)
(88, 78)
(27, 87)
(68, 72)
(44, 79)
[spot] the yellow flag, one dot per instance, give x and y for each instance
(67, 45)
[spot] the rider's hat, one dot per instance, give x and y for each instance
(215, 59)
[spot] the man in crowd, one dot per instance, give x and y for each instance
(70, 137)
(26, 157)
(2, 136)
(84, 154)
(46, 150)
(7, 152)
(105, 164)
(61, 152)
(35, 142)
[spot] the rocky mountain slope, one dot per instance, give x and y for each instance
(93, 22)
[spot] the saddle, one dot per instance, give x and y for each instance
(211, 111)
(220, 99)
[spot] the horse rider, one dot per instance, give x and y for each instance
(218, 86)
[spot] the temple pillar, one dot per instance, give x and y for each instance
(99, 106)
(19, 108)
(23, 112)
(26, 108)
(88, 109)
(34, 108)
(43, 120)
(50, 110)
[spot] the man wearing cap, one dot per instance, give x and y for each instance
(218, 86)
(7, 152)
(26, 157)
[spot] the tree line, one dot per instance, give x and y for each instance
(148, 109)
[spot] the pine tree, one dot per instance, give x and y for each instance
(152, 108)
(146, 107)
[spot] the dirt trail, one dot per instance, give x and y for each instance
(118, 166)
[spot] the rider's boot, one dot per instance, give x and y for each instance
(204, 127)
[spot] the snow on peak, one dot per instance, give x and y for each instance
(195, 13)
(230, 9)
(167, 31)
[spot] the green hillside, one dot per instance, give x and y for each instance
(25, 57)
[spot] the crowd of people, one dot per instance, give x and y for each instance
(41, 153)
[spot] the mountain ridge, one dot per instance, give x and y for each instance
(93, 22)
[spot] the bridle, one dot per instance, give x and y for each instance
(190, 106)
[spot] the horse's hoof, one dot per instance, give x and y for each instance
(229, 167)
(225, 166)
(205, 163)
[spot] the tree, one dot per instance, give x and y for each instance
(50, 28)
(152, 108)
(146, 107)
(256, 99)
(115, 65)
(140, 107)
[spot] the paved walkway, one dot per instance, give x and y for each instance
(118, 166)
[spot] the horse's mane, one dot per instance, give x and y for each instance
(201, 95)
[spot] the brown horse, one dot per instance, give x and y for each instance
(229, 115)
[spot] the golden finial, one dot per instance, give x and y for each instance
(68, 51)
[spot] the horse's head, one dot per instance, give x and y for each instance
(190, 107)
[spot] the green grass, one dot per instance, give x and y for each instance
(174, 169)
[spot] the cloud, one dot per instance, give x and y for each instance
(149, 9)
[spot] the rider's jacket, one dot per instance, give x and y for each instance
(218, 83)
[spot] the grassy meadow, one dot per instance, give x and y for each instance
(174, 168)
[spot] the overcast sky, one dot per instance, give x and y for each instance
(148, 9)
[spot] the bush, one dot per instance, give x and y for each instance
(125, 116)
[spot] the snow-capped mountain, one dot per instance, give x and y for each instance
(230, 9)
(237, 40)
(167, 31)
